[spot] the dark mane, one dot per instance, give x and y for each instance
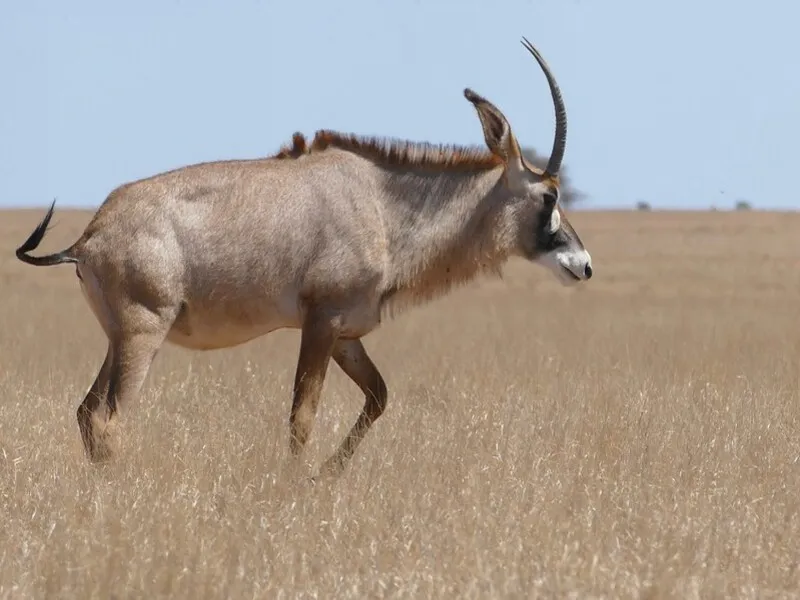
(296, 150)
(401, 153)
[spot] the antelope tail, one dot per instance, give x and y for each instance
(35, 239)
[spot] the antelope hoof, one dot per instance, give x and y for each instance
(100, 454)
(99, 450)
(331, 469)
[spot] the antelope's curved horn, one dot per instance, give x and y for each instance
(560, 138)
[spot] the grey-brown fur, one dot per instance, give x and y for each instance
(323, 238)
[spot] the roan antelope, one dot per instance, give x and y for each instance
(325, 238)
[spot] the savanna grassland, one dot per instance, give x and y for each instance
(638, 437)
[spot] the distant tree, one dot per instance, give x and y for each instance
(569, 195)
(743, 205)
(643, 205)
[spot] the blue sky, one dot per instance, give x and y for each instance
(684, 104)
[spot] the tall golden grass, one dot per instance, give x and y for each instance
(635, 438)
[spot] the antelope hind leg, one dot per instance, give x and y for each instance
(87, 411)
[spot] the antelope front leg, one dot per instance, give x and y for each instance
(352, 357)
(316, 344)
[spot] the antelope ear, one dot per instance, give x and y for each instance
(496, 131)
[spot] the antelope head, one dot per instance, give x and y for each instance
(532, 218)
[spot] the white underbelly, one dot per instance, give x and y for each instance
(213, 339)
(222, 326)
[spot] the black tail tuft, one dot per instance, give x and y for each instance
(35, 239)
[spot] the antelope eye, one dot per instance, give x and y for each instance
(550, 199)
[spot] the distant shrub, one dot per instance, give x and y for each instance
(743, 205)
(643, 206)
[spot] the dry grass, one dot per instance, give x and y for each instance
(636, 438)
